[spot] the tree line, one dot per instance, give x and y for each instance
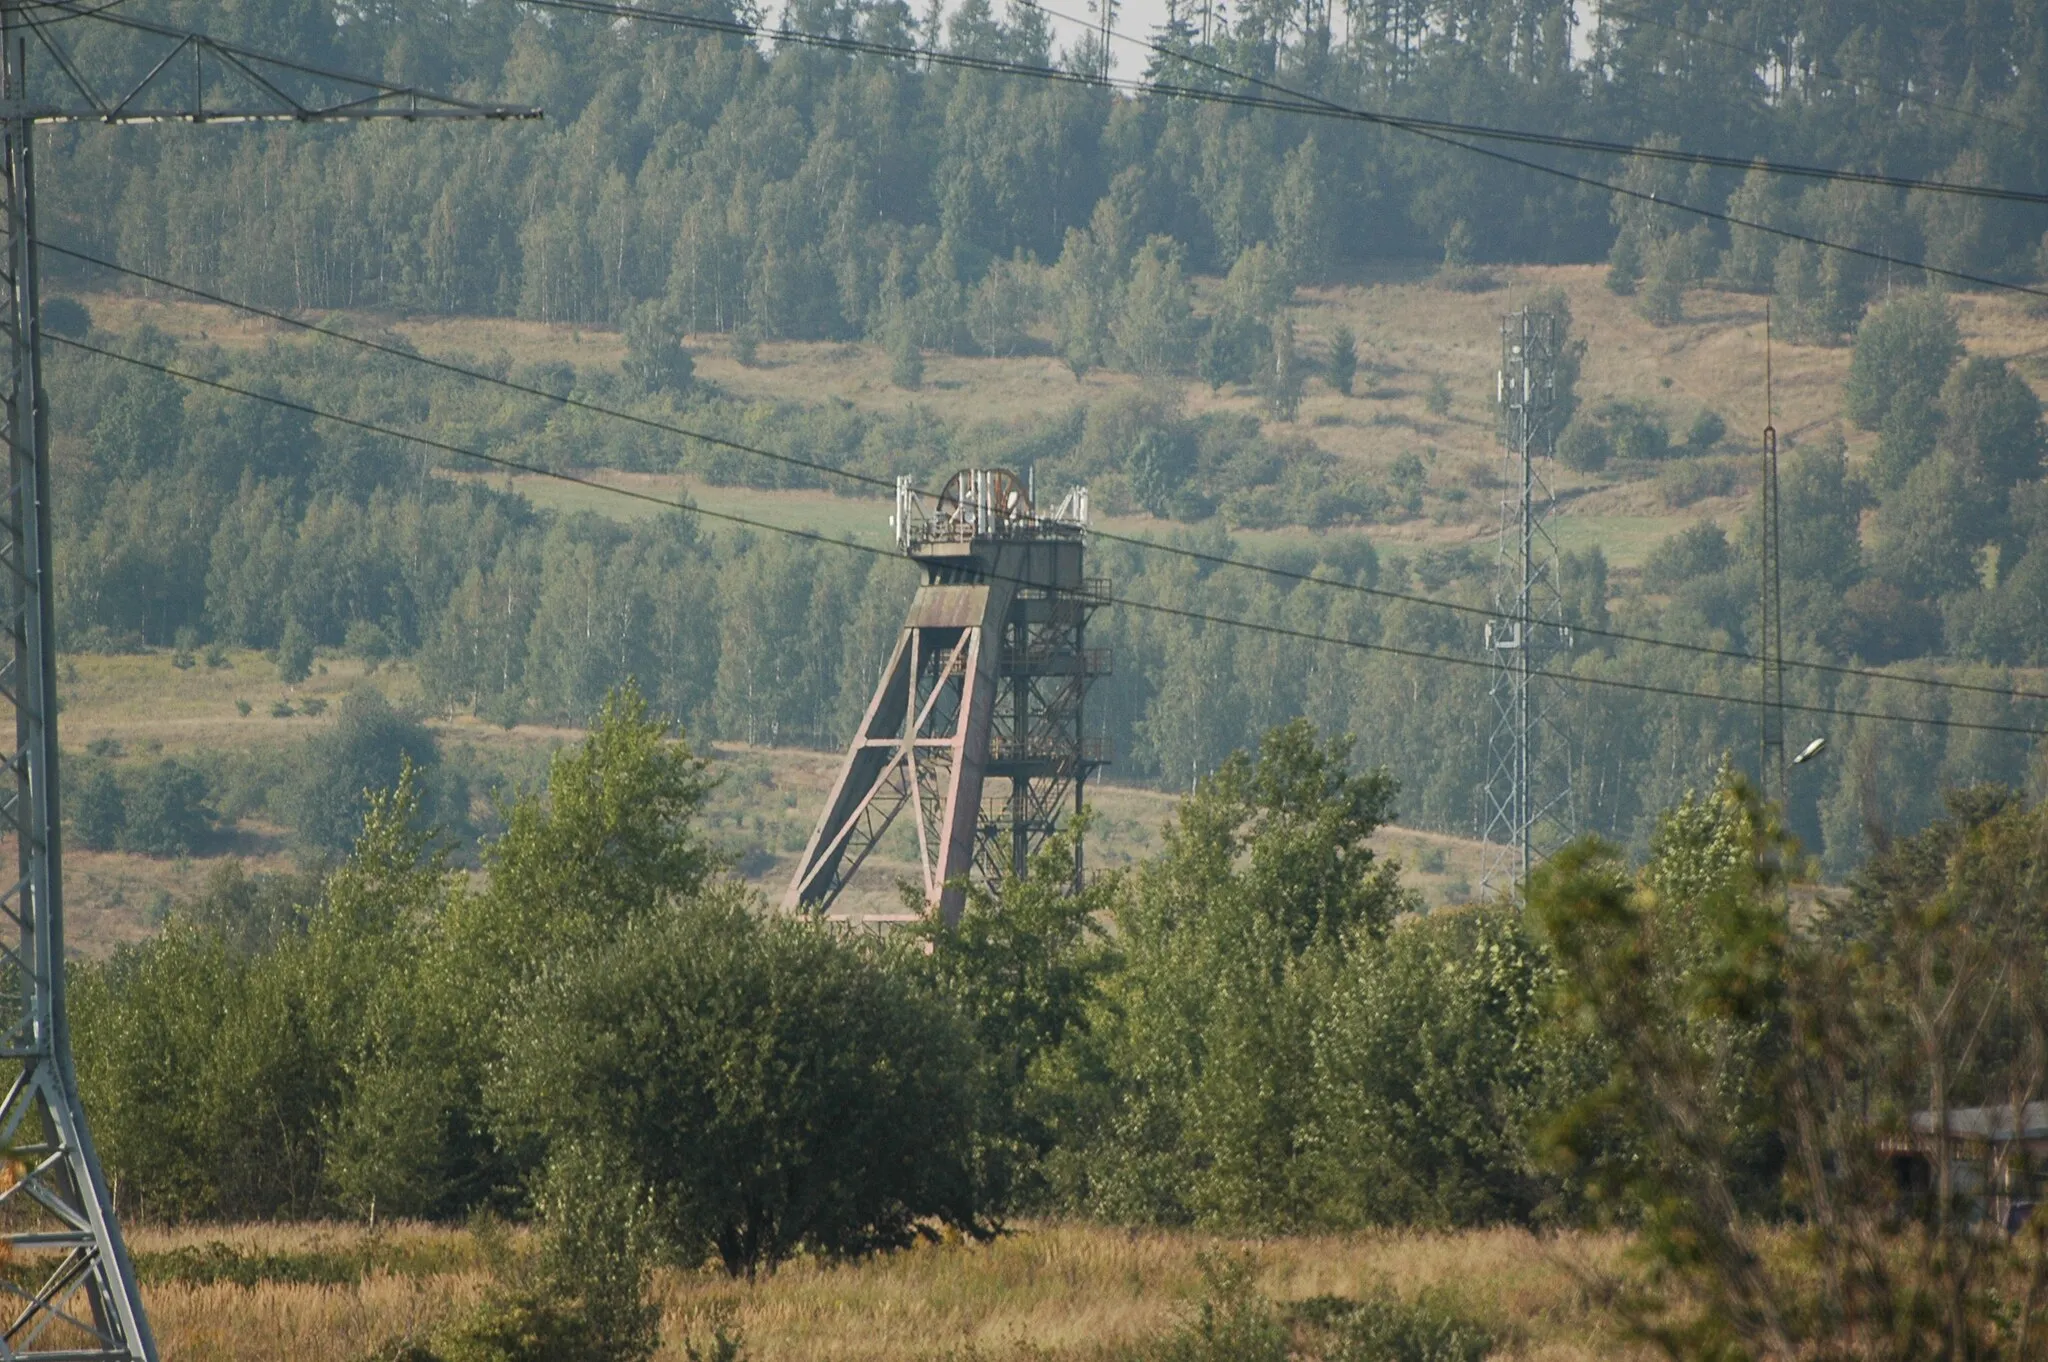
(1256, 1030)
(699, 183)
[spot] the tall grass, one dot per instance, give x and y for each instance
(1049, 1291)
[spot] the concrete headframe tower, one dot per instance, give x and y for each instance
(976, 727)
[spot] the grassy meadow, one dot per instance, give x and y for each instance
(335, 1293)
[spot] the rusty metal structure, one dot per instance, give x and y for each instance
(977, 726)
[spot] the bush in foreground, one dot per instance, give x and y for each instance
(770, 1086)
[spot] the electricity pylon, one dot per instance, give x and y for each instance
(1527, 799)
(73, 1285)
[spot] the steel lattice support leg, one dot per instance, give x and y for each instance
(923, 746)
(54, 1207)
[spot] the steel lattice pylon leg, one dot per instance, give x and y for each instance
(55, 1211)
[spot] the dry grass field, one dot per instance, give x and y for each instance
(1048, 1292)
(767, 797)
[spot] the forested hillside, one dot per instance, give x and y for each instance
(685, 186)
(809, 194)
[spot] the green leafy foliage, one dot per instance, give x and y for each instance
(1904, 351)
(1024, 969)
(1235, 1322)
(1342, 366)
(1267, 886)
(166, 810)
(99, 810)
(1696, 552)
(1761, 1068)
(828, 1101)
(363, 752)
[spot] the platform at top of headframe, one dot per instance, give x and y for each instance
(983, 523)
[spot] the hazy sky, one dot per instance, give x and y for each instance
(1134, 18)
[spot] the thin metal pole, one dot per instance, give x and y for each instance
(1771, 770)
(1526, 566)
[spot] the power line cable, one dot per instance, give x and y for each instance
(1138, 542)
(1295, 101)
(1150, 607)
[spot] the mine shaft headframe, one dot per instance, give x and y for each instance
(977, 725)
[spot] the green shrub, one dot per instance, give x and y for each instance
(295, 652)
(1691, 480)
(367, 641)
(1234, 1323)
(1585, 446)
(906, 360)
(167, 811)
(1385, 1328)
(1438, 398)
(365, 749)
(1706, 431)
(1343, 366)
(99, 811)
(1697, 551)
(827, 1095)
(1638, 430)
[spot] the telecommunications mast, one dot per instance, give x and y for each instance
(77, 1296)
(1527, 803)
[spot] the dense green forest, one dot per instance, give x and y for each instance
(812, 194)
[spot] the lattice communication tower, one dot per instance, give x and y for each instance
(977, 727)
(1526, 804)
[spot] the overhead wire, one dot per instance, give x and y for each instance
(1138, 542)
(1295, 101)
(1149, 607)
